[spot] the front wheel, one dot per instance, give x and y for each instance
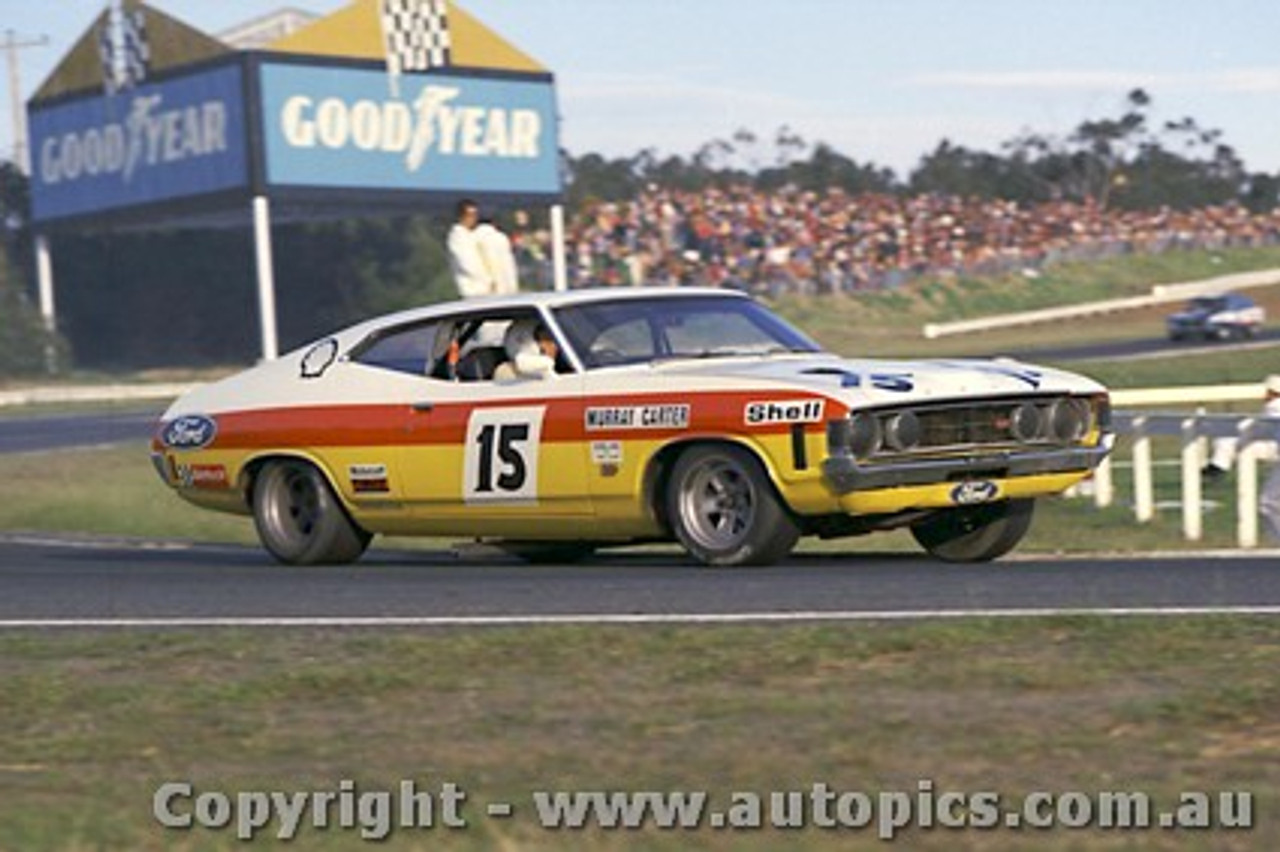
(977, 533)
(724, 511)
(300, 520)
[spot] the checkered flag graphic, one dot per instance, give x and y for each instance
(112, 77)
(135, 46)
(417, 36)
(123, 48)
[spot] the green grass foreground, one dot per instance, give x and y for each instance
(95, 722)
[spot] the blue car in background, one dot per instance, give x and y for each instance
(1226, 317)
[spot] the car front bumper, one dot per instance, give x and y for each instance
(846, 475)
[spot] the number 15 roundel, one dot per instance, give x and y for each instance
(501, 462)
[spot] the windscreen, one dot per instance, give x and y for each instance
(632, 331)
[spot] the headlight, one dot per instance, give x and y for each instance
(865, 434)
(902, 431)
(1069, 420)
(1026, 422)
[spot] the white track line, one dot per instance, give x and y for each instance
(620, 619)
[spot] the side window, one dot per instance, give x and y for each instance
(623, 343)
(406, 350)
(482, 350)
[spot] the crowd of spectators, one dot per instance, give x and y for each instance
(795, 240)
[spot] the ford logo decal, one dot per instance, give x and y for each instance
(974, 492)
(190, 433)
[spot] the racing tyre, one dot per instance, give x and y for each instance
(975, 533)
(724, 511)
(300, 520)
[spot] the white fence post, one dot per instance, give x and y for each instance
(1247, 482)
(1104, 486)
(1192, 525)
(1144, 503)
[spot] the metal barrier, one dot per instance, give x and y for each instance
(72, 394)
(1251, 434)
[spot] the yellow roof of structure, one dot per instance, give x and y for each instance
(172, 43)
(355, 32)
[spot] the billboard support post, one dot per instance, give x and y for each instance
(559, 269)
(266, 277)
(48, 310)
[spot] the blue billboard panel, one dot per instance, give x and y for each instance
(157, 142)
(356, 128)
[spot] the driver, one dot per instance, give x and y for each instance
(531, 349)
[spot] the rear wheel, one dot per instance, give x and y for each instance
(975, 533)
(724, 511)
(300, 520)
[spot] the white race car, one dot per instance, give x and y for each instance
(557, 423)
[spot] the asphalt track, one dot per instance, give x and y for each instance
(25, 434)
(1134, 350)
(50, 582)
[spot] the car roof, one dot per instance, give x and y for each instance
(542, 299)
(1237, 298)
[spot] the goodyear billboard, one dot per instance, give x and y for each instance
(342, 127)
(151, 120)
(158, 142)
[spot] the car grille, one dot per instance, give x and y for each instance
(997, 425)
(964, 426)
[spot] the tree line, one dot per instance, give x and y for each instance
(137, 299)
(1126, 160)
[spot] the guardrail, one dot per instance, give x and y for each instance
(57, 395)
(1194, 430)
(1187, 395)
(1160, 294)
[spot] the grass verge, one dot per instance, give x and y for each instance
(95, 722)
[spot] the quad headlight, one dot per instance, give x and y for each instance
(902, 431)
(1068, 420)
(1026, 422)
(865, 435)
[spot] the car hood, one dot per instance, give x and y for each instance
(862, 382)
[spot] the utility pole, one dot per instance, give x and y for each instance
(11, 45)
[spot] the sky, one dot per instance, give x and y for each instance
(881, 81)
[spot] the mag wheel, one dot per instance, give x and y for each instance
(977, 533)
(724, 511)
(300, 520)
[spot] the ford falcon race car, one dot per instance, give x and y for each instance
(553, 424)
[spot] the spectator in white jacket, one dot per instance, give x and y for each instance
(498, 256)
(466, 260)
